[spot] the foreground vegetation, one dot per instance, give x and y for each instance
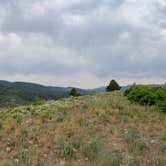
(101, 130)
(148, 95)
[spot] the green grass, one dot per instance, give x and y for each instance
(102, 130)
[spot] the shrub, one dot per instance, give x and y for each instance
(46, 116)
(141, 145)
(66, 149)
(117, 158)
(24, 158)
(105, 118)
(108, 157)
(74, 92)
(131, 135)
(147, 95)
(91, 150)
(18, 117)
(24, 136)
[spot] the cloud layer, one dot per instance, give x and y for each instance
(82, 39)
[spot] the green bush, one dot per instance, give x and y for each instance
(148, 95)
(74, 92)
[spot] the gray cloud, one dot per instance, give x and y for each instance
(106, 38)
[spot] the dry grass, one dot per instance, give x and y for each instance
(103, 129)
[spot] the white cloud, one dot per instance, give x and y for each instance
(83, 40)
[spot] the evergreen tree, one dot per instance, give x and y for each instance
(113, 86)
(74, 92)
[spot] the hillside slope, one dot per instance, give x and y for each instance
(94, 130)
(21, 93)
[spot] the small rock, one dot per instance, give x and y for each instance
(126, 131)
(75, 150)
(62, 163)
(152, 141)
(16, 160)
(8, 149)
(26, 150)
(29, 122)
(8, 139)
(45, 155)
(35, 145)
(31, 142)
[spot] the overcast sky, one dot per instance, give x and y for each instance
(83, 43)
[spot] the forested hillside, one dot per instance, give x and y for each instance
(20, 93)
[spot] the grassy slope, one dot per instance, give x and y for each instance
(101, 129)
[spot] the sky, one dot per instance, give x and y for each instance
(83, 43)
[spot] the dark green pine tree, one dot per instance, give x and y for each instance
(74, 92)
(113, 86)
